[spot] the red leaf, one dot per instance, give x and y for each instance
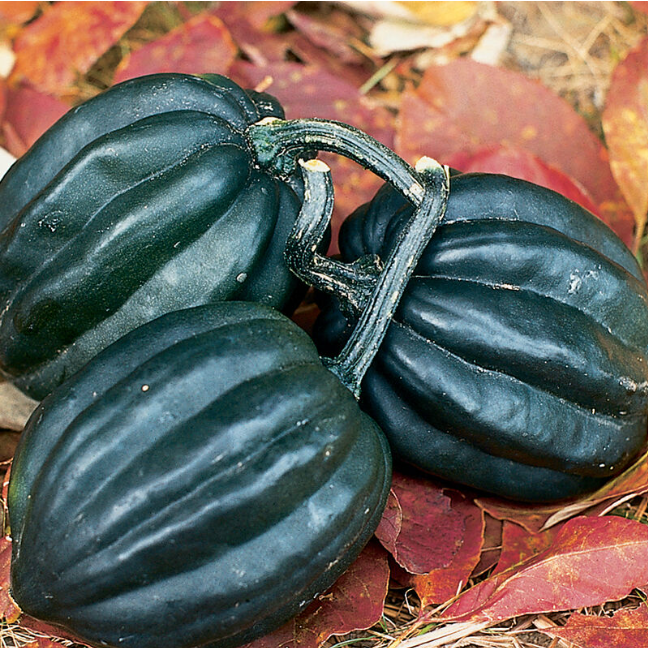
(28, 115)
(625, 125)
(433, 532)
(590, 562)
(202, 44)
(625, 629)
(522, 164)
(519, 545)
(640, 5)
(467, 106)
(247, 23)
(536, 517)
(334, 32)
(67, 39)
(355, 602)
(307, 91)
(258, 14)
(491, 545)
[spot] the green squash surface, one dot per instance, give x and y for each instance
(516, 361)
(199, 482)
(143, 200)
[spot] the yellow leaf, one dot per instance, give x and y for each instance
(441, 14)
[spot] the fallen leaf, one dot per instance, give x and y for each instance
(433, 532)
(491, 545)
(630, 483)
(248, 21)
(201, 45)
(28, 115)
(7, 58)
(624, 121)
(466, 106)
(6, 160)
(15, 407)
(591, 561)
(355, 602)
(624, 629)
(440, 13)
(16, 13)
(334, 32)
(522, 164)
(51, 636)
(260, 14)
(8, 442)
(535, 517)
(519, 545)
(9, 611)
(67, 39)
(640, 6)
(43, 642)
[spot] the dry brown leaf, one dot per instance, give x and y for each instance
(15, 407)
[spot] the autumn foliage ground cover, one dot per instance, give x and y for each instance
(555, 93)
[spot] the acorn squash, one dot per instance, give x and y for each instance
(199, 482)
(516, 362)
(145, 199)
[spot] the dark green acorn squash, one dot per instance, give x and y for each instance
(517, 359)
(145, 199)
(197, 483)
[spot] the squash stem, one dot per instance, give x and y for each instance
(354, 282)
(279, 143)
(357, 355)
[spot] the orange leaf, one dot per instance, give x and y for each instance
(625, 629)
(467, 106)
(201, 45)
(625, 125)
(8, 608)
(64, 43)
(591, 561)
(355, 602)
(16, 13)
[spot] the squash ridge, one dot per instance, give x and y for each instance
(512, 444)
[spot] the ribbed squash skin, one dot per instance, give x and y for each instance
(198, 482)
(143, 200)
(517, 361)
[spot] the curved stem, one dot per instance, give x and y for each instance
(353, 282)
(278, 143)
(354, 360)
